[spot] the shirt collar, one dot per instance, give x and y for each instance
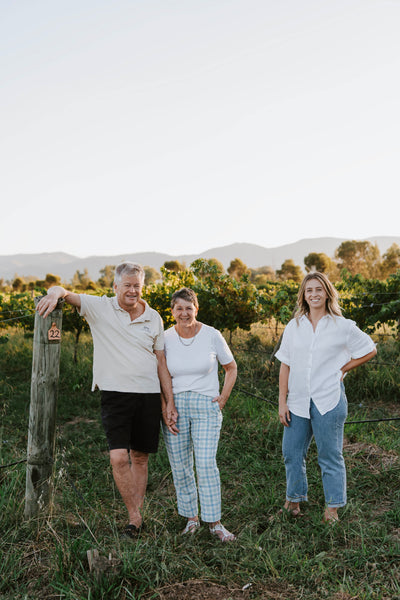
(143, 317)
(305, 318)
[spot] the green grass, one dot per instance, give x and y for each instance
(358, 559)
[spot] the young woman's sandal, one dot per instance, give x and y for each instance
(191, 526)
(223, 534)
(330, 518)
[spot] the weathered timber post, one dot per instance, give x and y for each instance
(42, 413)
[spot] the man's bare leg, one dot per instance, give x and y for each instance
(130, 477)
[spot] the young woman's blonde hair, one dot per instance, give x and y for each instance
(332, 301)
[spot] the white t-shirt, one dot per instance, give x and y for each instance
(123, 350)
(194, 366)
(315, 360)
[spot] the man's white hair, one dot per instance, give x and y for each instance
(128, 268)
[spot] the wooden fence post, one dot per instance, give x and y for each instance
(42, 413)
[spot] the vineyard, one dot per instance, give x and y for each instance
(228, 303)
(274, 557)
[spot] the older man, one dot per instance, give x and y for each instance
(128, 367)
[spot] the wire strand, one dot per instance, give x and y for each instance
(17, 462)
(242, 391)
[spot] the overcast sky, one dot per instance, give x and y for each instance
(181, 125)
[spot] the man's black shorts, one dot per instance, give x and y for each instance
(131, 420)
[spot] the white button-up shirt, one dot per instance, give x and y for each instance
(315, 359)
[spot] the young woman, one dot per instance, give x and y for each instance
(319, 346)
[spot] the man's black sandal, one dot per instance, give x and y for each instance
(131, 531)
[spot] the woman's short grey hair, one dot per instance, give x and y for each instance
(185, 294)
(128, 268)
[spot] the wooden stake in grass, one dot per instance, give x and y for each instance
(42, 414)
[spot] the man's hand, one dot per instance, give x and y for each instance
(47, 304)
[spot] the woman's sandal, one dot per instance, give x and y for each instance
(292, 512)
(223, 534)
(191, 527)
(330, 519)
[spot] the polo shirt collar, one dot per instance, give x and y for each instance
(143, 317)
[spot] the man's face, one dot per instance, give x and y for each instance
(128, 291)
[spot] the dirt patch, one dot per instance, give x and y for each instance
(344, 596)
(207, 590)
(375, 457)
(77, 420)
(395, 535)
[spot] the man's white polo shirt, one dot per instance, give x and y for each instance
(123, 350)
(315, 359)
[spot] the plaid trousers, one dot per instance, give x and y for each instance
(199, 424)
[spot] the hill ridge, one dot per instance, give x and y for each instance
(253, 255)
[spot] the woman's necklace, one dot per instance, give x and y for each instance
(191, 339)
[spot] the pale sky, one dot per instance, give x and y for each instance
(182, 125)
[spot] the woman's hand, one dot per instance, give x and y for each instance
(229, 381)
(356, 362)
(221, 401)
(284, 413)
(170, 417)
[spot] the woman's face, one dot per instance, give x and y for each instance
(184, 312)
(315, 294)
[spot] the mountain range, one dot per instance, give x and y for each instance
(65, 265)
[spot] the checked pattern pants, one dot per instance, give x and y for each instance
(199, 424)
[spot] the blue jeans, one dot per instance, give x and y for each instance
(327, 430)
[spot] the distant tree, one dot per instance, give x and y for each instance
(106, 278)
(359, 257)
(76, 280)
(82, 281)
(51, 280)
(216, 267)
(317, 261)
(151, 275)
(237, 269)
(289, 270)
(262, 275)
(174, 265)
(18, 284)
(391, 261)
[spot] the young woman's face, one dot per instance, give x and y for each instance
(315, 294)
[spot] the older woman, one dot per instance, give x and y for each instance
(318, 348)
(193, 351)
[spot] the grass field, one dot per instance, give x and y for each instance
(273, 557)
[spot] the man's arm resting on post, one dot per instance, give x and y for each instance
(169, 412)
(48, 303)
